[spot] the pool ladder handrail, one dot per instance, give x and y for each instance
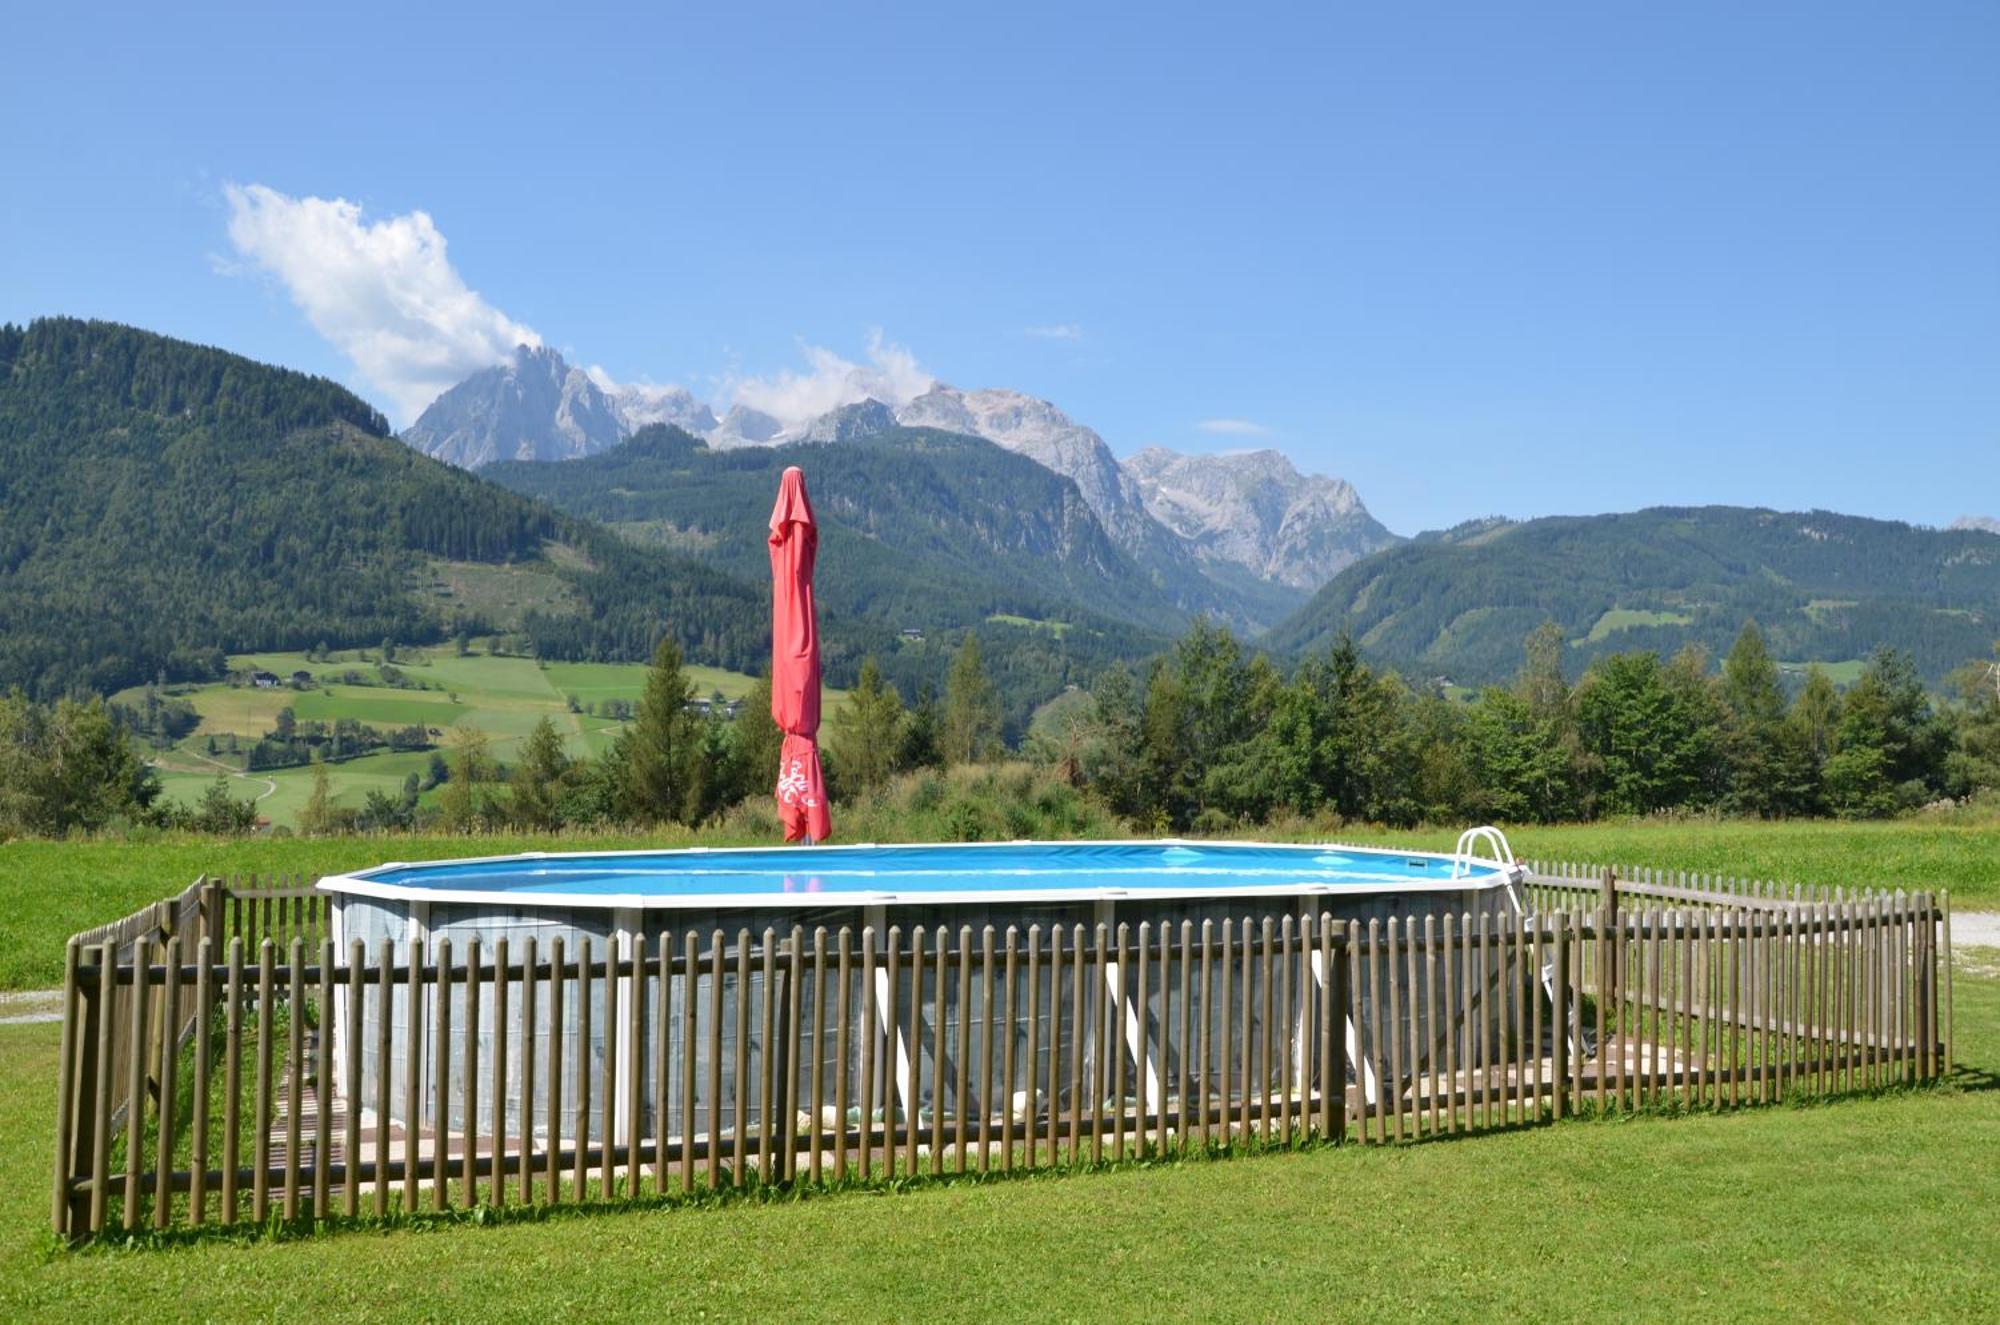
(1486, 835)
(1462, 859)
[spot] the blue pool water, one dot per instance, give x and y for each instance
(920, 873)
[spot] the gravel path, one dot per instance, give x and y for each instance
(25, 1007)
(1975, 929)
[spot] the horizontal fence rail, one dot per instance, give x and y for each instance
(223, 1061)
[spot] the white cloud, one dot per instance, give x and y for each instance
(1056, 331)
(384, 293)
(892, 375)
(1234, 427)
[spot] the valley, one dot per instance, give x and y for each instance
(177, 516)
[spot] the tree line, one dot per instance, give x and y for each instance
(1211, 737)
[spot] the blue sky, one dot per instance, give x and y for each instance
(1477, 259)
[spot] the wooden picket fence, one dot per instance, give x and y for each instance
(222, 1062)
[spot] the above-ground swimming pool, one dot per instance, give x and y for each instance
(936, 875)
(711, 903)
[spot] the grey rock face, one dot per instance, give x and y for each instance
(638, 406)
(535, 407)
(1253, 509)
(1985, 524)
(1037, 429)
(744, 426)
(866, 418)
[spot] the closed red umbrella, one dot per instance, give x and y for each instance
(795, 662)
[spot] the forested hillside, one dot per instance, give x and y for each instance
(925, 532)
(163, 503)
(1824, 587)
(920, 528)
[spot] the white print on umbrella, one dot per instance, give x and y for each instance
(792, 786)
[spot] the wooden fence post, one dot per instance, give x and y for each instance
(1559, 1010)
(1944, 911)
(66, 1095)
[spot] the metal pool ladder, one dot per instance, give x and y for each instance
(1462, 861)
(1485, 835)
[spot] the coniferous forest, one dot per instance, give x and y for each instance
(164, 504)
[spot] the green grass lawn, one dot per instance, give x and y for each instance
(1856, 1209)
(1055, 628)
(379, 707)
(1624, 618)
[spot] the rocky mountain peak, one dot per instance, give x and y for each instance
(1254, 509)
(864, 418)
(1268, 532)
(1037, 429)
(533, 407)
(1985, 524)
(744, 426)
(639, 406)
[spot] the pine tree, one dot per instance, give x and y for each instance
(709, 786)
(1890, 745)
(868, 731)
(657, 751)
(535, 786)
(1166, 766)
(1768, 763)
(921, 738)
(754, 743)
(971, 707)
(221, 813)
(1975, 765)
(1112, 751)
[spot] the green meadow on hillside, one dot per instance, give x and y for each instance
(504, 697)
